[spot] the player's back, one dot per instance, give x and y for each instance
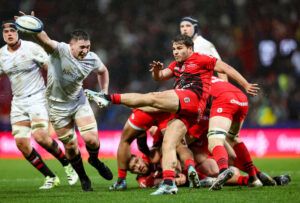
(219, 86)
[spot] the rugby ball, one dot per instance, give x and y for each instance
(29, 24)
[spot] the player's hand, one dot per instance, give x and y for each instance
(21, 13)
(181, 179)
(252, 89)
(156, 66)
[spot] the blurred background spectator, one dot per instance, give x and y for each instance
(259, 38)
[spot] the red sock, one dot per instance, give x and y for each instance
(221, 156)
(189, 162)
(122, 173)
(168, 174)
(115, 98)
(243, 160)
(243, 180)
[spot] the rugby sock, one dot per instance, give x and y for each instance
(36, 160)
(93, 153)
(114, 98)
(243, 160)
(58, 153)
(188, 163)
(220, 155)
(243, 180)
(122, 173)
(77, 164)
(168, 177)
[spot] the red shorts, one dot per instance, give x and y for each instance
(231, 105)
(199, 129)
(189, 102)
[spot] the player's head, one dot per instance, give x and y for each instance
(189, 26)
(182, 47)
(10, 32)
(137, 165)
(80, 44)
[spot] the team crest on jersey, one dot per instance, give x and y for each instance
(186, 100)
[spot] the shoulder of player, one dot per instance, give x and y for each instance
(203, 41)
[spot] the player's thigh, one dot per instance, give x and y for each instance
(166, 101)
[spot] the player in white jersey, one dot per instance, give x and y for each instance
(21, 61)
(190, 27)
(69, 65)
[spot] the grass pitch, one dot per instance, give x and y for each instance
(19, 182)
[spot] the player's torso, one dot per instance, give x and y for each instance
(66, 73)
(193, 74)
(23, 72)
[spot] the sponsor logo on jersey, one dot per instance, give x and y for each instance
(233, 101)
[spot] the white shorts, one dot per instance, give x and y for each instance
(29, 108)
(62, 113)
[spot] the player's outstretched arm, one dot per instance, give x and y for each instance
(250, 88)
(48, 44)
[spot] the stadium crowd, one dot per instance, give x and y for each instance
(259, 39)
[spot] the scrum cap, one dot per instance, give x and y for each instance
(194, 22)
(8, 24)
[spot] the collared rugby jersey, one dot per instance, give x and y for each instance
(66, 73)
(195, 73)
(22, 68)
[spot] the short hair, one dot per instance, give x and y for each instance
(183, 39)
(11, 24)
(79, 35)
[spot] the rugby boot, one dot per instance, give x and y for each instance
(193, 177)
(222, 179)
(120, 184)
(97, 97)
(50, 182)
(165, 189)
(102, 169)
(71, 174)
(86, 184)
(282, 179)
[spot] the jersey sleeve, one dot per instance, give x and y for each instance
(172, 66)
(39, 55)
(208, 62)
(98, 62)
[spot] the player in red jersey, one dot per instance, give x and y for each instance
(135, 127)
(228, 111)
(192, 73)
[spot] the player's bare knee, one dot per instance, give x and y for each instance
(24, 147)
